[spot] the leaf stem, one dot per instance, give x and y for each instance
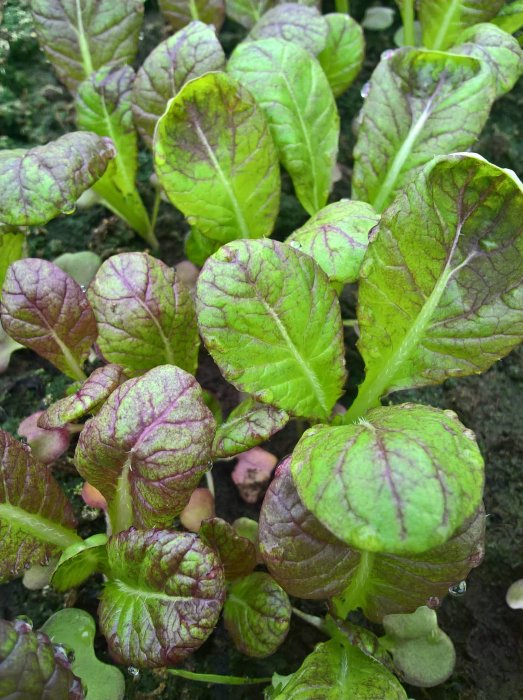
(216, 678)
(407, 15)
(313, 620)
(342, 6)
(210, 482)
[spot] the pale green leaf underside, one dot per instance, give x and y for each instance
(443, 20)
(291, 87)
(12, 246)
(271, 320)
(421, 104)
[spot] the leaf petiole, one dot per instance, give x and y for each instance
(216, 678)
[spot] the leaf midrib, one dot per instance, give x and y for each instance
(38, 526)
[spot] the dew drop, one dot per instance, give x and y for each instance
(133, 672)
(296, 244)
(387, 55)
(458, 589)
(433, 602)
(365, 90)
(60, 652)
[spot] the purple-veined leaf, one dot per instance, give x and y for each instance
(36, 519)
(237, 554)
(290, 21)
(145, 314)
(163, 597)
(45, 181)
(248, 425)
(342, 57)
(94, 391)
(148, 447)
(302, 555)
(257, 614)
(80, 36)
(31, 668)
(271, 320)
(186, 55)
(181, 12)
(47, 311)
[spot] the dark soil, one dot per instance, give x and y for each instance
(488, 635)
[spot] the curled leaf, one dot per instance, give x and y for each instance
(78, 562)
(237, 553)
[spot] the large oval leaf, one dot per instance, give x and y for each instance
(302, 555)
(421, 104)
(440, 292)
(186, 55)
(148, 447)
(45, 181)
(294, 93)
(180, 12)
(291, 21)
(46, 310)
(271, 320)
(36, 519)
(401, 481)
(145, 314)
(342, 57)
(163, 597)
(80, 36)
(257, 614)
(216, 160)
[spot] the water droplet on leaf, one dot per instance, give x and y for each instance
(364, 92)
(458, 589)
(133, 672)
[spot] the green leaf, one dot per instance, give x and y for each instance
(7, 347)
(290, 86)
(342, 57)
(163, 596)
(443, 20)
(337, 672)
(81, 266)
(498, 50)
(78, 562)
(198, 248)
(12, 247)
(302, 555)
(247, 12)
(248, 425)
(148, 447)
(271, 321)
(257, 614)
(145, 314)
(93, 392)
(421, 104)
(337, 238)
(237, 553)
(75, 629)
(293, 22)
(440, 290)
(45, 181)
(216, 160)
(186, 55)
(401, 481)
(181, 12)
(46, 310)
(31, 668)
(510, 17)
(80, 36)
(36, 519)
(104, 105)
(422, 652)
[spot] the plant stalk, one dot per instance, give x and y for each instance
(216, 678)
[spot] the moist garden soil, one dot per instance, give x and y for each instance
(35, 108)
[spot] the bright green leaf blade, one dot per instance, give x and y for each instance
(78, 562)
(271, 320)
(80, 36)
(216, 160)
(421, 104)
(510, 17)
(36, 519)
(440, 293)
(198, 248)
(248, 425)
(163, 597)
(290, 21)
(443, 20)
(291, 87)
(75, 630)
(246, 12)
(181, 12)
(338, 672)
(342, 57)
(7, 347)
(337, 238)
(145, 314)
(148, 447)
(401, 481)
(81, 266)
(257, 614)
(12, 247)
(498, 50)
(186, 55)
(46, 181)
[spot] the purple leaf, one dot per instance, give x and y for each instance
(47, 311)
(148, 447)
(46, 445)
(237, 554)
(163, 597)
